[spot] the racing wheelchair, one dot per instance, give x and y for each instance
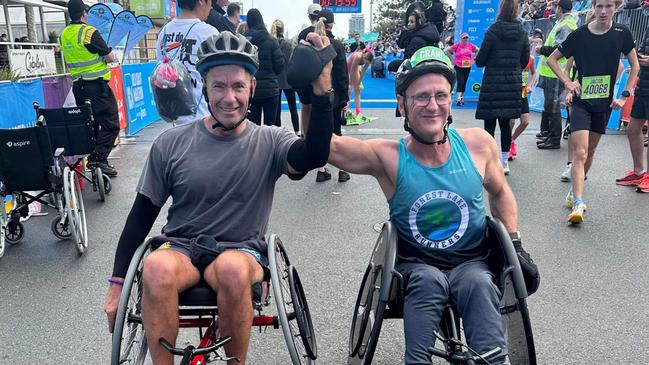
(27, 164)
(381, 297)
(74, 130)
(197, 310)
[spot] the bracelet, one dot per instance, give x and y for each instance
(116, 282)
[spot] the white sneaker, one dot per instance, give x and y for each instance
(566, 175)
(569, 200)
(506, 167)
(577, 214)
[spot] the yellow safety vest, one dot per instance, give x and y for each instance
(568, 20)
(80, 62)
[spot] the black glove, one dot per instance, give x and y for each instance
(529, 268)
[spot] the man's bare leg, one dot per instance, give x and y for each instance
(636, 143)
(231, 275)
(166, 273)
(593, 142)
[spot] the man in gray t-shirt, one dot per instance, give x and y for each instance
(220, 172)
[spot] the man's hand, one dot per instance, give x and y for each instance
(573, 87)
(618, 103)
(568, 99)
(528, 89)
(529, 268)
(110, 58)
(323, 83)
(112, 302)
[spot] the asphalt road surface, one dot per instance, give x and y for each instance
(591, 307)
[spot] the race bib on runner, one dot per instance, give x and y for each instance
(595, 87)
(466, 63)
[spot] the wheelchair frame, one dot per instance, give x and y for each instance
(64, 196)
(129, 343)
(78, 166)
(381, 297)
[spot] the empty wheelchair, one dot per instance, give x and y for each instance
(197, 309)
(73, 129)
(381, 297)
(27, 165)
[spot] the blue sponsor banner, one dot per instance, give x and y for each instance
(474, 17)
(101, 17)
(16, 103)
(341, 6)
(142, 25)
(122, 25)
(140, 105)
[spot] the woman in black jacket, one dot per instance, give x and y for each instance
(277, 31)
(504, 53)
(271, 63)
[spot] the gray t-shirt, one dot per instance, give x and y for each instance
(220, 186)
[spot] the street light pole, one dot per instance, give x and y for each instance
(371, 11)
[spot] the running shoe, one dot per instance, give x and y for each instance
(343, 176)
(513, 151)
(566, 174)
(577, 214)
(323, 175)
(631, 179)
(569, 203)
(506, 167)
(643, 187)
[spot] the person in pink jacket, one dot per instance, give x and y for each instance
(464, 52)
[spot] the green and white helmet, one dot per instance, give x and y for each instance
(425, 60)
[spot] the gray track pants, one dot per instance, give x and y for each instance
(469, 287)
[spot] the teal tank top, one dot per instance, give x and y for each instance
(439, 211)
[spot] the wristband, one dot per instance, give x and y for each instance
(116, 282)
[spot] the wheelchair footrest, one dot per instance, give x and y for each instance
(190, 351)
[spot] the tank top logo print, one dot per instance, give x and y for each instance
(439, 219)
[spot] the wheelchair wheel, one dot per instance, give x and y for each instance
(2, 240)
(293, 313)
(99, 183)
(61, 228)
(14, 233)
(108, 186)
(129, 340)
(75, 210)
(364, 311)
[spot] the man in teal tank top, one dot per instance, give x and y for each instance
(433, 181)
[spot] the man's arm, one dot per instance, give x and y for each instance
(138, 224)
(95, 44)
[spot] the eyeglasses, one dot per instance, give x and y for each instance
(423, 99)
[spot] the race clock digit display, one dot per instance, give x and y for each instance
(341, 6)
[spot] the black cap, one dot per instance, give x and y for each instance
(76, 8)
(328, 16)
(565, 5)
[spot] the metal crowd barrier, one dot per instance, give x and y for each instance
(636, 19)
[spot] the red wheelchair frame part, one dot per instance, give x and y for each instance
(208, 338)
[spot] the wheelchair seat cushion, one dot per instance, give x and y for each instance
(203, 296)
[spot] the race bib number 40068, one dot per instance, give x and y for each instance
(595, 87)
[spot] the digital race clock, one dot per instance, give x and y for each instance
(341, 6)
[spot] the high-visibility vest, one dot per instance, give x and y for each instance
(567, 20)
(80, 62)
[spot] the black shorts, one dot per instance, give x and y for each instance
(583, 120)
(525, 106)
(640, 108)
(202, 259)
(305, 94)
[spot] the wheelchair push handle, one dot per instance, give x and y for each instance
(464, 358)
(189, 352)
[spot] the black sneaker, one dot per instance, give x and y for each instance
(549, 145)
(343, 176)
(542, 135)
(323, 176)
(106, 169)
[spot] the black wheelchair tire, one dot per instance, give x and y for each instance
(302, 314)
(108, 185)
(58, 229)
(99, 183)
(133, 276)
(17, 236)
(365, 357)
(358, 335)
